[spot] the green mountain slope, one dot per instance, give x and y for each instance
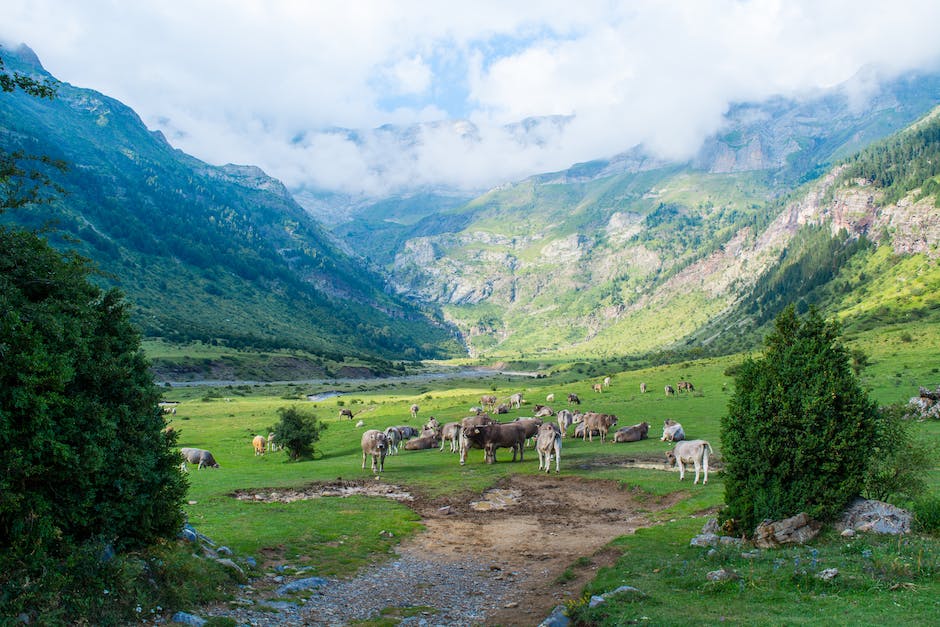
(220, 254)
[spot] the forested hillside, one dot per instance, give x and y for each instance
(217, 254)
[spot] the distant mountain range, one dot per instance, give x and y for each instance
(629, 255)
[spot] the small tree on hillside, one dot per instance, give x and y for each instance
(298, 432)
(799, 431)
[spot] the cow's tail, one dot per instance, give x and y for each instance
(708, 448)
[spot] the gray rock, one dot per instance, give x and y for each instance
(557, 618)
(875, 517)
(224, 550)
(188, 619)
(798, 529)
(722, 575)
(302, 584)
(829, 574)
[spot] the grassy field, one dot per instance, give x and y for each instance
(338, 536)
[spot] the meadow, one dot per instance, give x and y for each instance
(336, 537)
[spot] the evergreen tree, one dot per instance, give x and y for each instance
(799, 431)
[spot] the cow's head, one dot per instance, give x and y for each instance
(670, 458)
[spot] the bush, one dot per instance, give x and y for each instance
(298, 431)
(898, 459)
(799, 428)
(926, 510)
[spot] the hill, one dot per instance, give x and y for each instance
(222, 255)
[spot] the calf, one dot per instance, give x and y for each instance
(201, 457)
(600, 422)
(374, 445)
(451, 433)
(547, 442)
(690, 452)
(597, 387)
(672, 431)
(565, 420)
(258, 442)
(394, 438)
(633, 433)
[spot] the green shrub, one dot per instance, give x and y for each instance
(298, 431)
(926, 510)
(896, 467)
(799, 428)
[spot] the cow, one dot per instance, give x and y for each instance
(597, 387)
(414, 411)
(670, 391)
(565, 420)
(345, 412)
(488, 400)
(272, 443)
(543, 411)
(432, 425)
(690, 452)
(515, 401)
(374, 445)
(394, 437)
(450, 432)
(531, 426)
(642, 388)
(672, 431)
(600, 422)
(573, 398)
(495, 435)
(685, 386)
(258, 443)
(502, 408)
(633, 433)
(407, 431)
(430, 440)
(547, 442)
(550, 398)
(468, 423)
(606, 382)
(201, 457)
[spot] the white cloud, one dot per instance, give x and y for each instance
(241, 81)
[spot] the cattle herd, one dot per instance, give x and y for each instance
(481, 431)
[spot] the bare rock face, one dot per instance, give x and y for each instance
(798, 529)
(875, 517)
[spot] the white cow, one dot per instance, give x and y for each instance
(672, 431)
(690, 452)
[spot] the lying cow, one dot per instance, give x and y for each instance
(672, 431)
(633, 433)
(374, 445)
(494, 435)
(543, 411)
(548, 442)
(599, 422)
(201, 457)
(423, 442)
(690, 452)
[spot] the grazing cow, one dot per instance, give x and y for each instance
(543, 411)
(502, 408)
(597, 387)
(550, 398)
(685, 386)
(374, 445)
(201, 457)
(633, 433)
(601, 422)
(465, 443)
(345, 412)
(573, 398)
(642, 388)
(515, 401)
(606, 382)
(258, 442)
(548, 442)
(450, 432)
(672, 431)
(414, 410)
(690, 452)
(496, 435)
(565, 420)
(423, 442)
(670, 391)
(272, 443)
(393, 437)
(488, 400)
(531, 426)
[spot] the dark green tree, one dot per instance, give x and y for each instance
(298, 431)
(799, 431)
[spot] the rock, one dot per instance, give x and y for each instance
(557, 618)
(188, 533)
(876, 517)
(188, 619)
(232, 566)
(797, 529)
(711, 526)
(251, 562)
(848, 533)
(829, 574)
(302, 584)
(705, 539)
(224, 550)
(634, 593)
(722, 575)
(596, 600)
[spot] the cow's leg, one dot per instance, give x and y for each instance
(698, 467)
(705, 465)
(681, 469)
(363, 460)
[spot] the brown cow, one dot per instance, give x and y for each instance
(600, 422)
(468, 423)
(531, 426)
(488, 400)
(685, 386)
(427, 441)
(375, 445)
(345, 412)
(496, 435)
(573, 398)
(633, 433)
(597, 387)
(258, 442)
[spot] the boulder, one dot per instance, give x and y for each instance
(557, 618)
(875, 517)
(798, 529)
(301, 584)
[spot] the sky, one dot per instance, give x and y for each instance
(371, 97)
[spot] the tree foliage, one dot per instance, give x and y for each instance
(800, 431)
(298, 431)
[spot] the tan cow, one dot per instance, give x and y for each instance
(600, 422)
(258, 442)
(548, 442)
(374, 445)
